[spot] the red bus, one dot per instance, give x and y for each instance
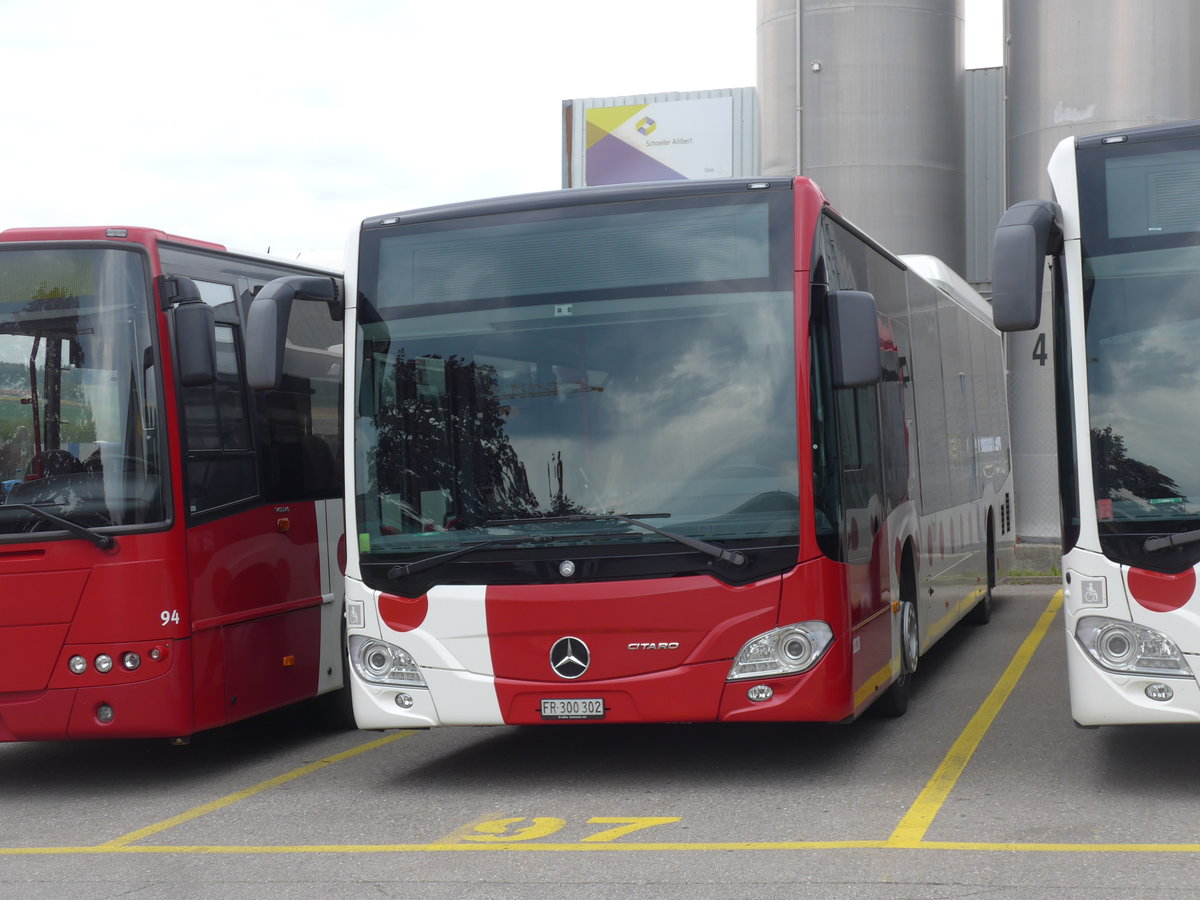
(697, 451)
(168, 539)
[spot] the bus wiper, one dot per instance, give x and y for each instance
(733, 557)
(405, 569)
(103, 541)
(1154, 544)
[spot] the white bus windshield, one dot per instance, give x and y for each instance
(1140, 216)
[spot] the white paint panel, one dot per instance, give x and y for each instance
(452, 649)
(458, 620)
(463, 698)
(333, 589)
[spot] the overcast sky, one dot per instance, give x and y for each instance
(262, 124)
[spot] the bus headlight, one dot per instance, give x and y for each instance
(782, 651)
(1129, 648)
(383, 663)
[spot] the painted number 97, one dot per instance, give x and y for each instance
(169, 617)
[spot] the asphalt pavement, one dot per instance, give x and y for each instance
(984, 788)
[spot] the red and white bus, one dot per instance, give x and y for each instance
(1122, 329)
(168, 539)
(698, 451)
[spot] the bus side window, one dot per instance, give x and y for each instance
(220, 462)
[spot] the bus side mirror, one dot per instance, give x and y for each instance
(854, 332)
(195, 334)
(1026, 234)
(267, 323)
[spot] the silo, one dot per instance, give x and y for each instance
(866, 98)
(1077, 67)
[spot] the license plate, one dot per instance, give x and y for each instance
(573, 708)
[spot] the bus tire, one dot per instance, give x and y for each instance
(981, 612)
(893, 703)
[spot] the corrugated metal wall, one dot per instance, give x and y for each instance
(1077, 67)
(866, 98)
(985, 198)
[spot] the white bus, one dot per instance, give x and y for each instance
(1124, 326)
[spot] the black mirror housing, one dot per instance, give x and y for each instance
(854, 330)
(267, 323)
(1027, 233)
(195, 343)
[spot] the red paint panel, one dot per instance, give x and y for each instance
(156, 707)
(208, 675)
(816, 590)
(1159, 592)
(699, 619)
(822, 694)
(683, 694)
(41, 716)
(39, 598)
(147, 236)
(125, 601)
(401, 613)
(874, 650)
(257, 677)
(242, 565)
(809, 204)
(27, 656)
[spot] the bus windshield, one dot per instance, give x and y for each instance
(632, 358)
(78, 391)
(1140, 223)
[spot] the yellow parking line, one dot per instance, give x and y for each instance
(911, 830)
(199, 811)
(908, 835)
(249, 849)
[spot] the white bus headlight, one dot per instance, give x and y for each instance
(782, 651)
(1129, 648)
(383, 663)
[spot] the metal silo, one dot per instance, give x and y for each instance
(866, 98)
(1078, 67)
(1084, 66)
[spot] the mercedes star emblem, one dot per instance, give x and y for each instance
(569, 657)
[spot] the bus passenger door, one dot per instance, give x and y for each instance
(862, 493)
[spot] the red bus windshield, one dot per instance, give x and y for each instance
(78, 392)
(514, 376)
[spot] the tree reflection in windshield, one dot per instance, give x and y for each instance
(1120, 477)
(687, 410)
(447, 410)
